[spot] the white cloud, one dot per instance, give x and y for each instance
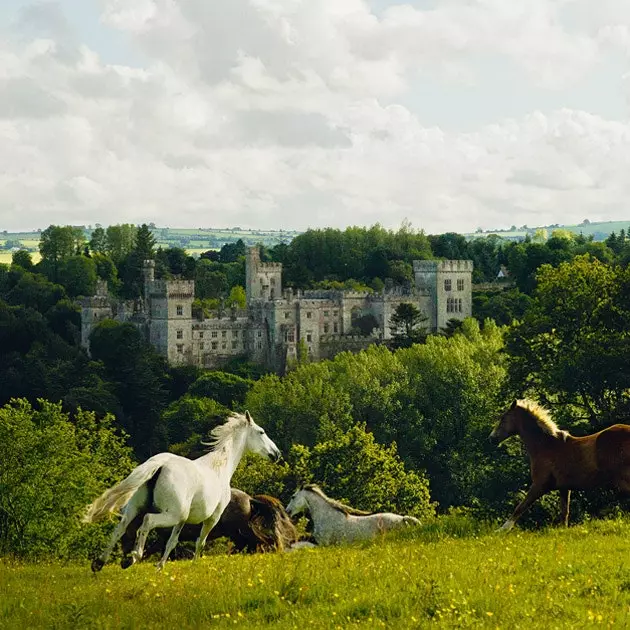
(288, 114)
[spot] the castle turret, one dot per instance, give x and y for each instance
(263, 280)
(449, 286)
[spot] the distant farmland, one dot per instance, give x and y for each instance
(194, 241)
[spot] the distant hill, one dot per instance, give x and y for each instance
(599, 230)
(194, 241)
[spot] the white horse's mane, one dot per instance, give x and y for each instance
(337, 505)
(221, 437)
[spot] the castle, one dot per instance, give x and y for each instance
(277, 321)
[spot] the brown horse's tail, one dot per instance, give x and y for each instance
(270, 523)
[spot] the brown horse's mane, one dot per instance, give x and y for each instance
(337, 505)
(542, 417)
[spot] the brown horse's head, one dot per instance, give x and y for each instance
(507, 425)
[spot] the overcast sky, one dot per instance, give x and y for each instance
(452, 114)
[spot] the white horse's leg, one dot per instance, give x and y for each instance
(206, 528)
(170, 544)
(151, 521)
(128, 515)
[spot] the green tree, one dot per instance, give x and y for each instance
(51, 467)
(237, 297)
(354, 468)
(56, 244)
(78, 276)
(139, 378)
(405, 325)
(572, 346)
(144, 243)
(22, 258)
(189, 420)
(228, 389)
(120, 241)
(98, 241)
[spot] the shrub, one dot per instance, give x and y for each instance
(51, 467)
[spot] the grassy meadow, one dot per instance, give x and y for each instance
(450, 574)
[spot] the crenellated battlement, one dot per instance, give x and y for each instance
(442, 266)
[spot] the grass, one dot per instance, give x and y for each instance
(449, 575)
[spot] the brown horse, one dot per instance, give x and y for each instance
(258, 523)
(559, 461)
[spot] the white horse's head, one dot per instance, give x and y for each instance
(298, 503)
(259, 442)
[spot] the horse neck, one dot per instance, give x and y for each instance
(233, 452)
(322, 507)
(533, 436)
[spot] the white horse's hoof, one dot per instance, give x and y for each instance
(507, 526)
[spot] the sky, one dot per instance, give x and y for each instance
(450, 115)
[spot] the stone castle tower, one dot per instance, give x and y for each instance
(263, 280)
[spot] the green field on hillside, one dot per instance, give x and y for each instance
(452, 576)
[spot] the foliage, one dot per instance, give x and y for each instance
(573, 344)
(22, 258)
(190, 419)
(354, 468)
(51, 467)
(303, 407)
(139, 378)
(228, 389)
(405, 325)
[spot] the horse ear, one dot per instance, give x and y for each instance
(248, 416)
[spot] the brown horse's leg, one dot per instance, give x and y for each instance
(534, 493)
(565, 499)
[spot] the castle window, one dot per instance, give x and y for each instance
(235, 333)
(447, 284)
(309, 337)
(326, 328)
(180, 309)
(459, 305)
(273, 282)
(309, 314)
(201, 346)
(292, 337)
(336, 327)
(224, 334)
(260, 333)
(201, 334)
(326, 313)
(180, 334)
(287, 315)
(214, 334)
(460, 284)
(259, 345)
(215, 345)
(234, 344)
(224, 345)
(335, 313)
(180, 348)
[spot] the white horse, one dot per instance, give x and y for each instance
(334, 522)
(178, 490)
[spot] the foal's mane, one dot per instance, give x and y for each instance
(542, 417)
(337, 505)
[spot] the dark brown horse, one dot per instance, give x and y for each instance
(258, 523)
(562, 462)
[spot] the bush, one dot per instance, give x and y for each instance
(228, 389)
(51, 467)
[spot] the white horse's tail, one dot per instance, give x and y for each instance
(113, 499)
(411, 520)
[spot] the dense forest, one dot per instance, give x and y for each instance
(389, 428)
